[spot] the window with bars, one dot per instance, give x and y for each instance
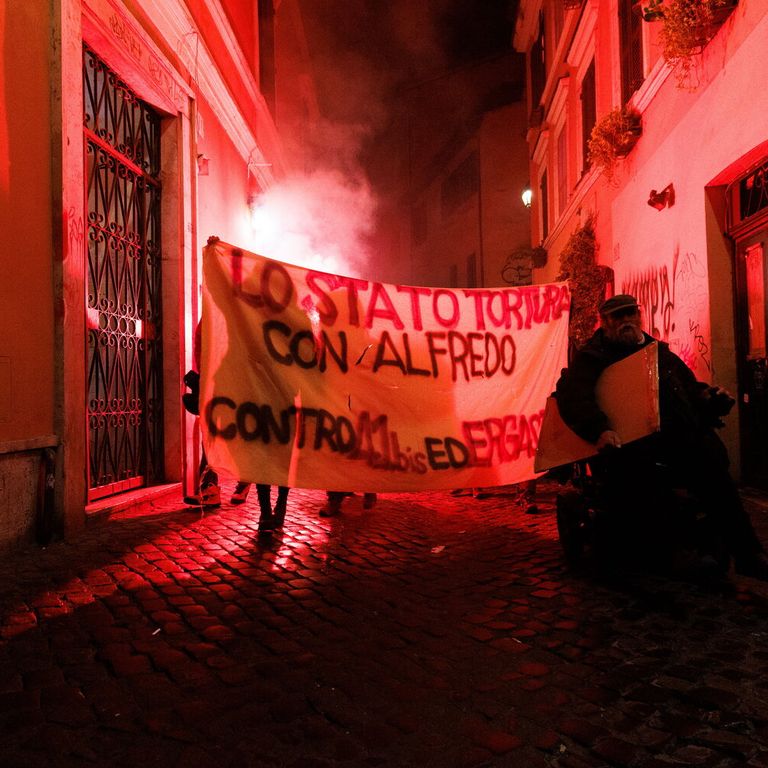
(266, 10)
(544, 198)
(630, 49)
(753, 193)
(538, 67)
(588, 113)
(562, 170)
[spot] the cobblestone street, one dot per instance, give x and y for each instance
(431, 630)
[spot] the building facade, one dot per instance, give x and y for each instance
(469, 227)
(462, 168)
(678, 205)
(130, 132)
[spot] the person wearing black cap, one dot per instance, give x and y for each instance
(686, 445)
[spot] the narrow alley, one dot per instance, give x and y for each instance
(432, 630)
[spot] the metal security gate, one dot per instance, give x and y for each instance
(124, 349)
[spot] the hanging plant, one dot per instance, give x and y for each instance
(687, 26)
(613, 136)
(587, 280)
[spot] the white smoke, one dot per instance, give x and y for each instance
(319, 221)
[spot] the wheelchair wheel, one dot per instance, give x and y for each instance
(574, 525)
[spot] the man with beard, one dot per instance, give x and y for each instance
(686, 451)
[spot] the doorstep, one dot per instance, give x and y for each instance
(133, 501)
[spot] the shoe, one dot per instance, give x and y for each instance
(278, 514)
(210, 493)
(266, 524)
(531, 509)
(240, 493)
(209, 496)
(755, 566)
(369, 499)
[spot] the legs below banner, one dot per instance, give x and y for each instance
(266, 520)
(281, 506)
(271, 519)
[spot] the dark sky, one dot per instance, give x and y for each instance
(365, 50)
(473, 30)
(395, 84)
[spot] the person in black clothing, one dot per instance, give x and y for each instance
(686, 446)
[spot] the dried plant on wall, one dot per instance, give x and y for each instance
(613, 136)
(587, 280)
(687, 26)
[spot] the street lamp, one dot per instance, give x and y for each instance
(527, 196)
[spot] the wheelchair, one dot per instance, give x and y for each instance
(650, 525)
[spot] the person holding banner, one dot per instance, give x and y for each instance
(314, 379)
(209, 493)
(686, 446)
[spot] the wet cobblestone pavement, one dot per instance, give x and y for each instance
(431, 630)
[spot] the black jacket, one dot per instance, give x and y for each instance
(688, 415)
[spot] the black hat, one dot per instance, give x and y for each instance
(615, 303)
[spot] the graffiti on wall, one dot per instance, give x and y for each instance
(656, 293)
(74, 229)
(672, 306)
(518, 267)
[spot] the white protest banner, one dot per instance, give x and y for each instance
(315, 380)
